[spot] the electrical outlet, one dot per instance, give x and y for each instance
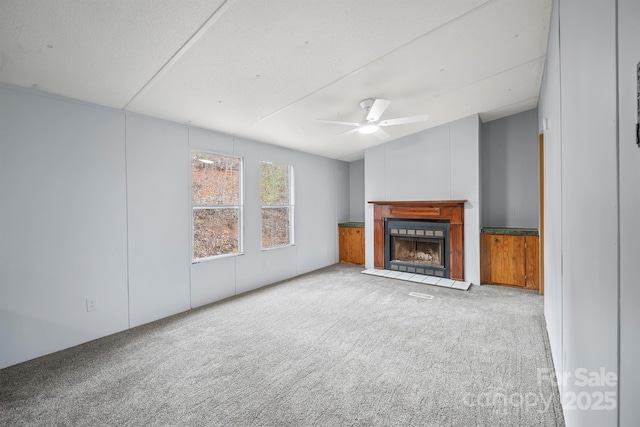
(91, 304)
(512, 211)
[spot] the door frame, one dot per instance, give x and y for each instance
(541, 212)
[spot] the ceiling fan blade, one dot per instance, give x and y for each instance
(404, 120)
(334, 122)
(382, 134)
(376, 110)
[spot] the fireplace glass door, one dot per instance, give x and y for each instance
(418, 251)
(417, 246)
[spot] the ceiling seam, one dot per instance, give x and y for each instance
(213, 18)
(318, 140)
(531, 61)
(444, 94)
(510, 105)
(428, 33)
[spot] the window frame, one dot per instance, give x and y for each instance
(239, 206)
(290, 206)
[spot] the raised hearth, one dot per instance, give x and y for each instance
(450, 211)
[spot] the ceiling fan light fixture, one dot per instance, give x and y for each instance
(368, 128)
(372, 122)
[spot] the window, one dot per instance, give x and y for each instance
(216, 198)
(276, 192)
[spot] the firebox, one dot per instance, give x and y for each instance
(417, 246)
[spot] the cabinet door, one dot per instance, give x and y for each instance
(507, 260)
(351, 245)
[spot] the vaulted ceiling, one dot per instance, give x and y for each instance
(268, 69)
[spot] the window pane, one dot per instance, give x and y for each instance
(215, 232)
(275, 227)
(274, 181)
(215, 179)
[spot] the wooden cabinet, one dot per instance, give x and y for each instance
(509, 258)
(351, 244)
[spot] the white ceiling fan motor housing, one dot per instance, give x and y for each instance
(366, 103)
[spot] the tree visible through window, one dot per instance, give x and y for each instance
(217, 204)
(276, 191)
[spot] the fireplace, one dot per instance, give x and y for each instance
(446, 216)
(417, 246)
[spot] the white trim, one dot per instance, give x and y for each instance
(239, 206)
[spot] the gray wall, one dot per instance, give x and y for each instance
(96, 204)
(549, 107)
(442, 163)
(589, 196)
(63, 224)
(592, 203)
(343, 174)
(356, 190)
(158, 225)
(629, 157)
(509, 154)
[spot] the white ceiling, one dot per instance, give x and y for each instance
(267, 70)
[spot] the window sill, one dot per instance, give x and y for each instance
(276, 247)
(215, 257)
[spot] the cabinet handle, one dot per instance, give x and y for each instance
(496, 240)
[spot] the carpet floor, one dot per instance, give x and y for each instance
(332, 347)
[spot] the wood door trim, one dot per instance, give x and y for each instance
(541, 214)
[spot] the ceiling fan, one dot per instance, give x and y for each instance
(371, 123)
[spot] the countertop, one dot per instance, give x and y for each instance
(510, 230)
(351, 224)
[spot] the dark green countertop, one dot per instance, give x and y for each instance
(351, 224)
(508, 230)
